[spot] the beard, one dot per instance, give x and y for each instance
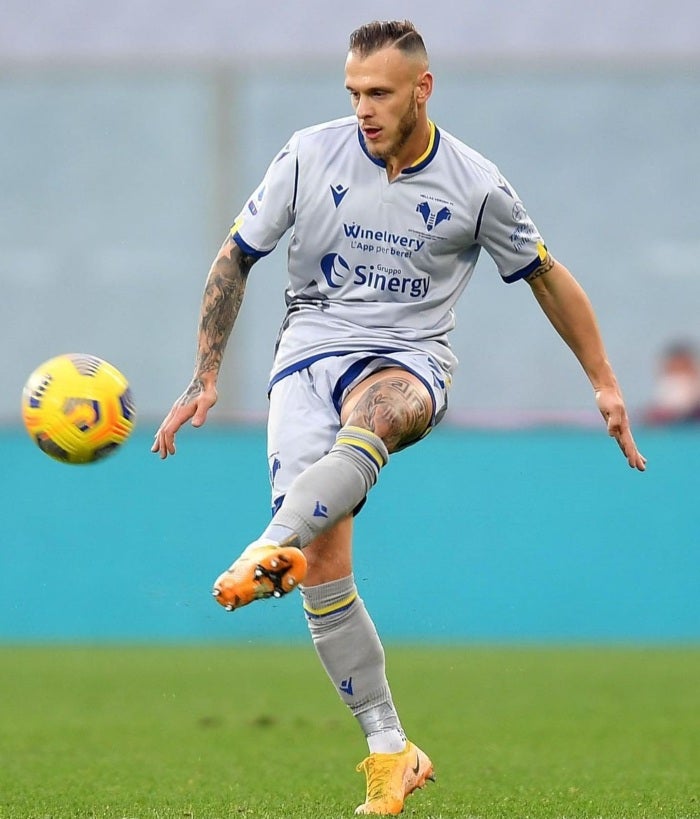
(404, 130)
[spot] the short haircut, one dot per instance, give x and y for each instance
(401, 34)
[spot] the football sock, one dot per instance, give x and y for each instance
(348, 645)
(331, 488)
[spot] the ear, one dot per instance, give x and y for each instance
(424, 87)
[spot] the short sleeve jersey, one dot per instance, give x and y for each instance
(375, 265)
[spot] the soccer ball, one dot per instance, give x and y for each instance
(77, 408)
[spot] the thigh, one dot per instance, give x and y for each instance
(400, 398)
(392, 403)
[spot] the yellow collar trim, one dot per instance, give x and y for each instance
(427, 151)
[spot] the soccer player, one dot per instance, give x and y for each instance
(388, 215)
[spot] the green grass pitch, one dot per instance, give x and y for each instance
(256, 732)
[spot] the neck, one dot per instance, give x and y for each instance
(414, 149)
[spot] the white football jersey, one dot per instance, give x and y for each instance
(377, 265)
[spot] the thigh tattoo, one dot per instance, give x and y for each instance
(395, 409)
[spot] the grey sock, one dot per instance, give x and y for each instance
(331, 488)
(349, 648)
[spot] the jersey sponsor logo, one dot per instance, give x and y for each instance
(525, 231)
(338, 192)
(380, 277)
(432, 218)
(381, 241)
(523, 235)
(334, 267)
(519, 212)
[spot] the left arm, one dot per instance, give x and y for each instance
(569, 310)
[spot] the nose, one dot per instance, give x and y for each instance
(364, 107)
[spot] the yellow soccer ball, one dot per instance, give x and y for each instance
(78, 408)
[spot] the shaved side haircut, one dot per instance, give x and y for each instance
(401, 34)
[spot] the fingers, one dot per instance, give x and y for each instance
(164, 441)
(638, 462)
(635, 458)
(612, 408)
(620, 430)
(193, 404)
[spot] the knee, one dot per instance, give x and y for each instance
(396, 409)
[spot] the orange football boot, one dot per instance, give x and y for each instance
(392, 777)
(265, 569)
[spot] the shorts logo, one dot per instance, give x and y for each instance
(433, 218)
(346, 686)
(438, 374)
(334, 267)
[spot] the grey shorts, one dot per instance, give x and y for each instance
(304, 416)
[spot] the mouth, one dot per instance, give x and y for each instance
(371, 133)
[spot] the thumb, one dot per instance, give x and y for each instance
(200, 416)
(205, 402)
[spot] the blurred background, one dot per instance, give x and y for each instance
(132, 134)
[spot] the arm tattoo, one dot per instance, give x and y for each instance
(543, 268)
(223, 294)
(195, 389)
(395, 410)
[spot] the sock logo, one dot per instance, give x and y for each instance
(320, 511)
(346, 686)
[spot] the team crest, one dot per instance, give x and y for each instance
(432, 218)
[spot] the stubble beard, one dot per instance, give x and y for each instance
(405, 128)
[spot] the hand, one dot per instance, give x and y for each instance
(193, 404)
(612, 408)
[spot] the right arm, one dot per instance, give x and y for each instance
(221, 302)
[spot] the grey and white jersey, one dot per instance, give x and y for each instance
(377, 265)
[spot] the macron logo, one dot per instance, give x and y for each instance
(346, 686)
(338, 193)
(504, 187)
(276, 465)
(320, 511)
